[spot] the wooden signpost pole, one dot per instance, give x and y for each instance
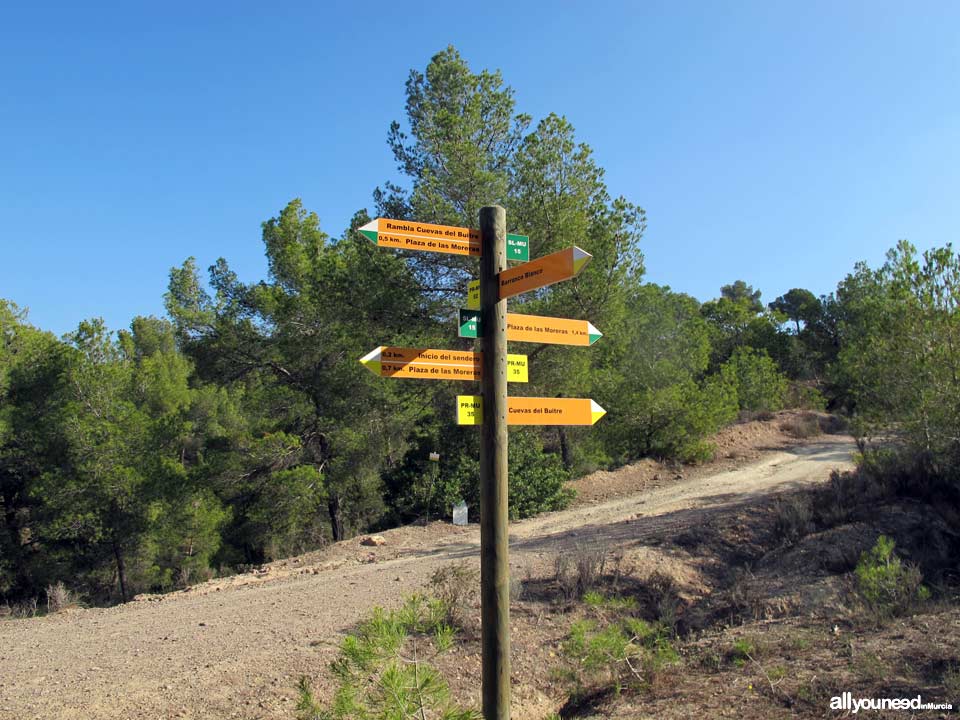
(494, 562)
(492, 409)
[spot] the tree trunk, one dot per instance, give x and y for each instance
(121, 570)
(564, 449)
(15, 550)
(336, 518)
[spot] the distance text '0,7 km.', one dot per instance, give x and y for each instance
(430, 364)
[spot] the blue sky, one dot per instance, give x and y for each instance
(771, 141)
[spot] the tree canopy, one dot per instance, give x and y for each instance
(241, 428)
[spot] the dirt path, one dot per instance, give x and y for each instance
(235, 648)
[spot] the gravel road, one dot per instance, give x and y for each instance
(236, 648)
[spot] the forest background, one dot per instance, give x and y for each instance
(241, 428)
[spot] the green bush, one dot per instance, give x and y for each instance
(670, 423)
(885, 585)
(742, 651)
(384, 673)
(617, 650)
(537, 478)
(758, 382)
(804, 397)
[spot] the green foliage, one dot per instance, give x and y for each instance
(900, 356)
(652, 380)
(241, 429)
(462, 135)
(382, 673)
(618, 652)
(598, 600)
(804, 397)
(885, 585)
(758, 383)
(741, 652)
(183, 537)
(537, 479)
(798, 305)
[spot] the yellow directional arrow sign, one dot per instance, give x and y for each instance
(428, 364)
(543, 271)
(437, 238)
(533, 411)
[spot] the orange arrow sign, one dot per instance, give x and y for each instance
(533, 411)
(429, 364)
(437, 238)
(423, 236)
(534, 329)
(543, 271)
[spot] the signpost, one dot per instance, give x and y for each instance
(541, 272)
(437, 238)
(429, 364)
(494, 548)
(533, 411)
(486, 319)
(534, 329)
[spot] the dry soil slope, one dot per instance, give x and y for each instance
(234, 648)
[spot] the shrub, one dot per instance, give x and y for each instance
(59, 598)
(743, 593)
(741, 652)
(792, 519)
(380, 678)
(951, 681)
(618, 653)
(578, 573)
(745, 416)
(836, 501)
(804, 397)
(803, 426)
(457, 587)
(758, 382)
(885, 585)
(25, 609)
(537, 478)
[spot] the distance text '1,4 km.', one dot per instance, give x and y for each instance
(428, 237)
(534, 329)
